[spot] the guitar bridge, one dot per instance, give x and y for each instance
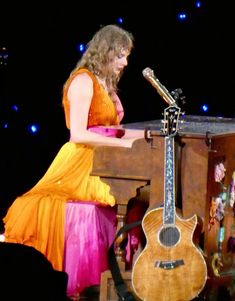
(169, 265)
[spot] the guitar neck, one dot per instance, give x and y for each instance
(169, 185)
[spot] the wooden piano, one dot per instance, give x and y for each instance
(203, 142)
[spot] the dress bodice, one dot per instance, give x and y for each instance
(102, 111)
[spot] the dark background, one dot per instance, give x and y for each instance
(196, 55)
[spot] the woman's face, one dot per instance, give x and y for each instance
(119, 62)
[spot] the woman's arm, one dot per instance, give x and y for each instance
(131, 133)
(80, 95)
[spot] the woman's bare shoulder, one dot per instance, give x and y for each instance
(83, 78)
(82, 81)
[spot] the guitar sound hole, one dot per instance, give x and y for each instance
(169, 236)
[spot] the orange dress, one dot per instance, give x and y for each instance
(37, 218)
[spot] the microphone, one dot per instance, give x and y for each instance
(164, 93)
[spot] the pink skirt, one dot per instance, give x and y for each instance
(89, 232)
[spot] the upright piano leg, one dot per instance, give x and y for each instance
(120, 251)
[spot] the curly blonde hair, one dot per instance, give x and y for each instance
(106, 44)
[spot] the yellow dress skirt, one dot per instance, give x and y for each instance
(53, 218)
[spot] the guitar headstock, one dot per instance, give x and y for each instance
(171, 120)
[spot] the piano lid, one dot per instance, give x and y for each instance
(193, 124)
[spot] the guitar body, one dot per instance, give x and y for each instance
(171, 267)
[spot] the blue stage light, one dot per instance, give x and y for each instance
(182, 16)
(81, 47)
(120, 20)
(204, 108)
(33, 128)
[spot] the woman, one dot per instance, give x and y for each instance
(52, 216)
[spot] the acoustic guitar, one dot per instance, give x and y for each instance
(171, 267)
